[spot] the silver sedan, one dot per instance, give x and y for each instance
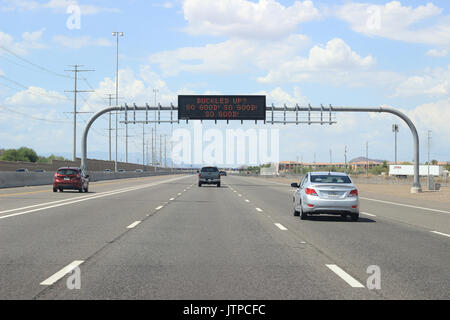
(326, 193)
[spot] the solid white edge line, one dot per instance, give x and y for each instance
(134, 224)
(101, 195)
(405, 205)
(61, 273)
(280, 226)
(440, 233)
(345, 276)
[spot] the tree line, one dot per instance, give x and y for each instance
(26, 155)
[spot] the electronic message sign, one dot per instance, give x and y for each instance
(214, 107)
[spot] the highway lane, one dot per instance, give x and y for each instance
(414, 261)
(169, 239)
(207, 244)
(37, 195)
(36, 244)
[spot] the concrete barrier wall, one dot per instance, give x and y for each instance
(22, 179)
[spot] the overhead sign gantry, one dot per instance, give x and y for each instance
(250, 108)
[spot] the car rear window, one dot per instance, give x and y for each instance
(67, 172)
(330, 179)
(210, 169)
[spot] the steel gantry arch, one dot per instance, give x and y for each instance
(416, 187)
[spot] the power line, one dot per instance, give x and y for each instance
(35, 64)
(32, 117)
(18, 84)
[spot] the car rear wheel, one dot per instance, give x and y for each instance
(303, 215)
(354, 217)
(296, 213)
(80, 190)
(218, 185)
(199, 184)
(61, 190)
(55, 190)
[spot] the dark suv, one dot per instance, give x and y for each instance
(70, 178)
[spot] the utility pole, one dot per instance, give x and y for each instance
(117, 34)
(429, 141)
(153, 148)
(367, 158)
(331, 158)
(143, 145)
(165, 151)
(75, 91)
(345, 158)
(160, 150)
(395, 130)
(155, 91)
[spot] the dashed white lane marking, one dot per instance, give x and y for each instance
(134, 224)
(246, 200)
(280, 226)
(259, 210)
(60, 274)
(345, 276)
(158, 208)
(240, 195)
(440, 233)
(179, 194)
(368, 214)
(171, 199)
(405, 205)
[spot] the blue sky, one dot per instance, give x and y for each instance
(352, 53)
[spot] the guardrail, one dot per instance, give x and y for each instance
(24, 179)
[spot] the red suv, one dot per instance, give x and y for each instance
(71, 178)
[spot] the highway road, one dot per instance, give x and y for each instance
(166, 238)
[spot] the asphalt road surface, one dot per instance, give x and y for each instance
(166, 238)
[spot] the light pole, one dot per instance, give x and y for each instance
(429, 140)
(395, 130)
(117, 34)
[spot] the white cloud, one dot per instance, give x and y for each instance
(265, 19)
(30, 40)
(397, 22)
(81, 42)
(434, 116)
(35, 96)
(434, 82)
(231, 56)
(335, 62)
(56, 6)
(437, 53)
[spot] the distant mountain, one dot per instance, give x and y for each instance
(363, 159)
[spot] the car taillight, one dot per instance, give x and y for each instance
(78, 176)
(353, 193)
(310, 191)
